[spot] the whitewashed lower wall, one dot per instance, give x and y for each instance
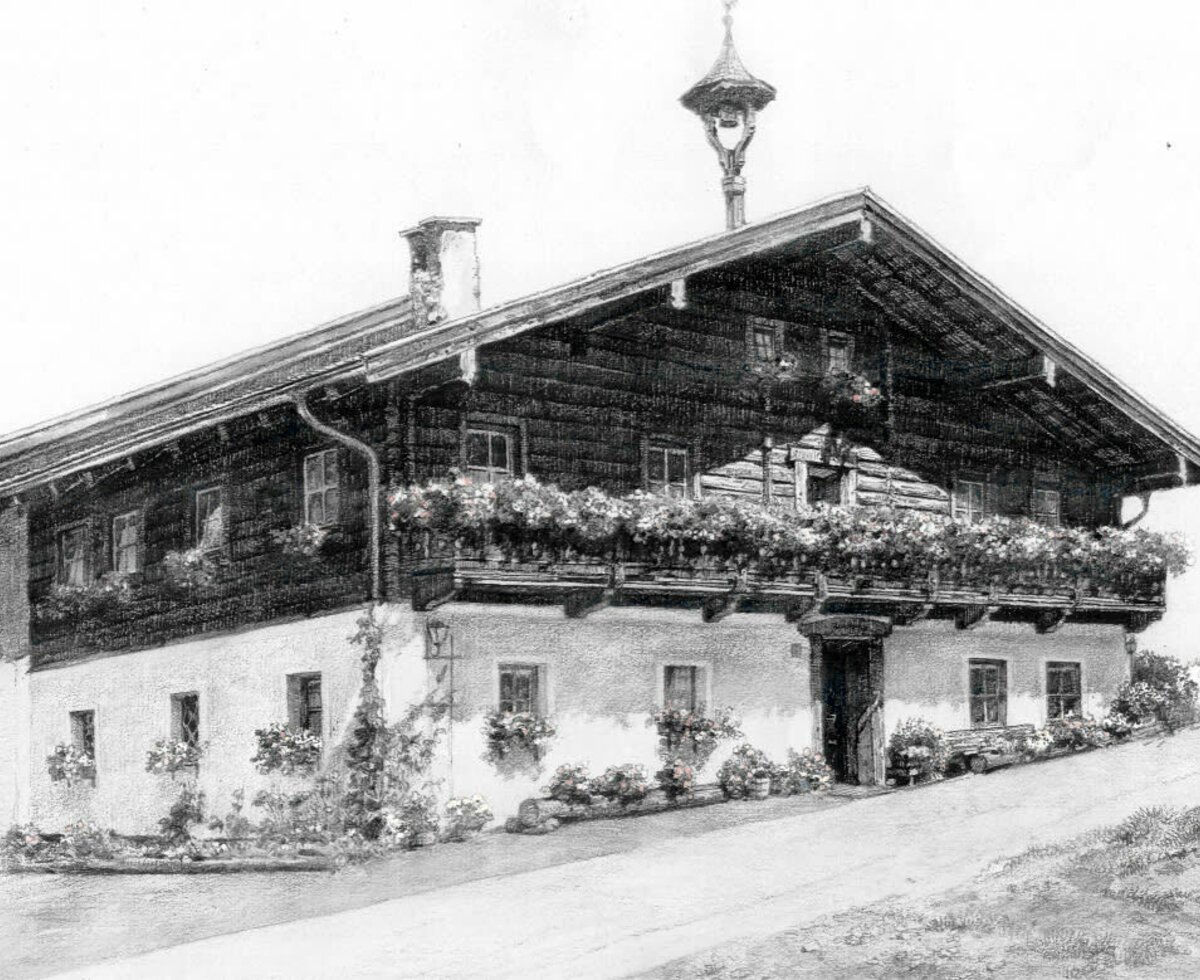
(603, 681)
(242, 682)
(926, 672)
(14, 743)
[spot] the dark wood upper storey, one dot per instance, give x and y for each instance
(584, 386)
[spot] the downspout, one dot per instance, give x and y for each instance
(374, 481)
(1145, 498)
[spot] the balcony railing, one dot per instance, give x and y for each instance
(523, 536)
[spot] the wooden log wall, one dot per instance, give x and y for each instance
(258, 462)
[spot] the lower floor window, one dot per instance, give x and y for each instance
(989, 693)
(1063, 690)
(306, 708)
(519, 688)
(83, 732)
(681, 687)
(185, 718)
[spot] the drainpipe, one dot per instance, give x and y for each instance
(374, 481)
(1145, 498)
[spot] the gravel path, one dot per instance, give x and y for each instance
(623, 896)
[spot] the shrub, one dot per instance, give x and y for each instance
(68, 763)
(624, 784)
(692, 733)
(185, 811)
(286, 750)
(805, 772)
(676, 779)
(1077, 733)
(1160, 688)
(570, 784)
(172, 755)
(506, 731)
(466, 815)
(736, 773)
(918, 747)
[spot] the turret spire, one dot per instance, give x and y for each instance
(729, 97)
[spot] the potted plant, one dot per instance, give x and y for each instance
(286, 750)
(570, 784)
(918, 750)
(170, 756)
(69, 764)
(746, 774)
(676, 779)
(625, 783)
(466, 816)
(521, 730)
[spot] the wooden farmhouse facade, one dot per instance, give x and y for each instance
(189, 560)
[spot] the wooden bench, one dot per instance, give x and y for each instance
(980, 748)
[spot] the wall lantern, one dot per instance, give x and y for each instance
(437, 634)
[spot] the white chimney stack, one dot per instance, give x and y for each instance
(444, 268)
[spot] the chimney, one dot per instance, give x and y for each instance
(444, 267)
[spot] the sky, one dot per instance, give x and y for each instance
(179, 182)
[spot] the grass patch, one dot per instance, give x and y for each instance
(1119, 902)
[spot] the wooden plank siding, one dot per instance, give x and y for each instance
(258, 460)
(583, 401)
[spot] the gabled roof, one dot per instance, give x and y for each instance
(856, 228)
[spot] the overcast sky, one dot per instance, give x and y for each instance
(182, 181)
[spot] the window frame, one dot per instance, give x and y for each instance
(1068, 667)
(300, 709)
(957, 507)
(653, 445)
(84, 530)
(999, 696)
(703, 680)
(134, 518)
(1051, 517)
(491, 472)
(756, 325)
(512, 426)
(324, 489)
(179, 723)
(83, 731)
(198, 527)
(836, 339)
(536, 698)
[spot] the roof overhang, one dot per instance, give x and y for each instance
(384, 342)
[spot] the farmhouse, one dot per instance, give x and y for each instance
(873, 488)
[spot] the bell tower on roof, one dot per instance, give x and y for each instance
(728, 100)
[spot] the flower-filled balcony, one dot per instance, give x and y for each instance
(525, 539)
(292, 572)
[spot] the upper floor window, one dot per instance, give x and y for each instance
(969, 500)
(1063, 689)
(989, 693)
(764, 339)
(488, 454)
(520, 688)
(210, 519)
(1047, 506)
(127, 542)
(321, 488)
(667, 470)
(74, 556)
(838, 354)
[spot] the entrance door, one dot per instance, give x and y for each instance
(851, 720)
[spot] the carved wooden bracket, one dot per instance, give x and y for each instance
(1050, 620)
(968, 617)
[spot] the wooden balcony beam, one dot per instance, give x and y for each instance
(969, 617)
(578, 603)
(1049, 620)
